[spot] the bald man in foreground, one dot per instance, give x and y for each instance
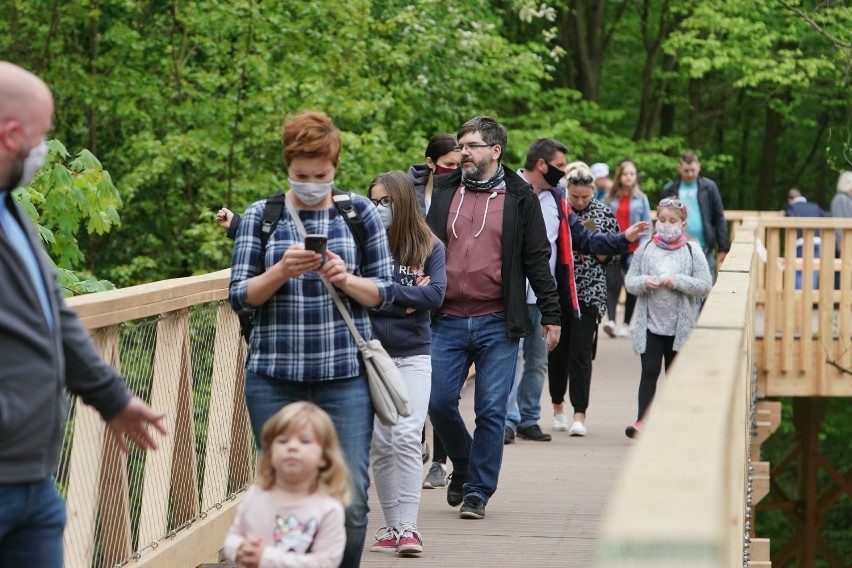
(43, 349)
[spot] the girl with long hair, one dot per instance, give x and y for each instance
(404, 329)
(629, 205)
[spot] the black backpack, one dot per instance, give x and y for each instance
(272, 215)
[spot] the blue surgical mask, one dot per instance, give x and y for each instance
(310, 193)
(385, 214)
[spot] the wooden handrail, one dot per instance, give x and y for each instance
(680, 499)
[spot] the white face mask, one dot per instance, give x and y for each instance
(385, 214)
(32, 164)
(669, 233)
(310, 193)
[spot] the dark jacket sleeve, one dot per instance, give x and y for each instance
(427, 297)
(720, 224)
(86, 373)
(595, 242)
(235, 225)
(535, 257)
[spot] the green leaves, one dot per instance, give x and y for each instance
(63, 196)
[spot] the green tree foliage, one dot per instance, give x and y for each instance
(183, 101)
(67, 196)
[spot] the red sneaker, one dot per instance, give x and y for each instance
(410, 541)
(633, 430)
(387, 541)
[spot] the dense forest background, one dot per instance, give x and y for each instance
(182, 102)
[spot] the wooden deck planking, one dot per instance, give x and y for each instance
(550, 496)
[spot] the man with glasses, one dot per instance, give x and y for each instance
(705, 219)
(491, 223)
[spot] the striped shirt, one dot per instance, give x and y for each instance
(298, 334)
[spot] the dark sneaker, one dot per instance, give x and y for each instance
(634, 430)
(508, 435)
(473, 508)
(533, 433)
(455, 491)
(424, 452)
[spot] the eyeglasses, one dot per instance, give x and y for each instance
(384, 201)
(460, 147)
(673, 203)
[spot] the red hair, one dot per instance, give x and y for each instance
(310, 135)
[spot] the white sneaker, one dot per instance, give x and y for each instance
(609, 328)
(560, 422)
(624, 330)
(578, 429)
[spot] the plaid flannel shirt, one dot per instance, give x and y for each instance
(299, 334)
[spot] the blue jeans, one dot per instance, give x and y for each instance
(456, 343)
(348, 403)
(32, 520)
(524, 408)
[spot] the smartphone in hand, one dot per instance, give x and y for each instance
(316, 243)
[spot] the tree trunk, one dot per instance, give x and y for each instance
(768, 158)
(91, 112)
(693, 122)
(667, 107)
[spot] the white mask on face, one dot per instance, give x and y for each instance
(32, 164)
(669, 233)
(310, 193)
(386, 215)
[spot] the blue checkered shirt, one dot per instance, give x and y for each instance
(298, 334)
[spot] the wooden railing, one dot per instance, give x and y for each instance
(687, 492)
(805, 335)
(179, 347)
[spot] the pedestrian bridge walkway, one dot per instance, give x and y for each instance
(683, 495)
(551, 495)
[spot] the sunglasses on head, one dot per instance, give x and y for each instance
(673, 203)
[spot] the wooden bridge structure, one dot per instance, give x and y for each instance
(685, 494)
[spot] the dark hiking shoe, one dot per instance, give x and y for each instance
(455, 491)
(508, 436)
(533, 433)
(473, 508)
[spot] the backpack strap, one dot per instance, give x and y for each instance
(271, 215)
(346, 208)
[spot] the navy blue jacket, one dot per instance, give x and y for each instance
(405, 335)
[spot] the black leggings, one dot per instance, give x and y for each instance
(615, 274)
(572, 358)
(439, 453)
(658, 348)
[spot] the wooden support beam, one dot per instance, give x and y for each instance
(760, 550)
(759, 482)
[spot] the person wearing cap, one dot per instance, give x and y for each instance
(600, 171)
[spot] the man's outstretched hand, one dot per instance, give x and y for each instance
(132, 423)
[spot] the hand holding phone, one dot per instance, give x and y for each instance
(316, 243)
